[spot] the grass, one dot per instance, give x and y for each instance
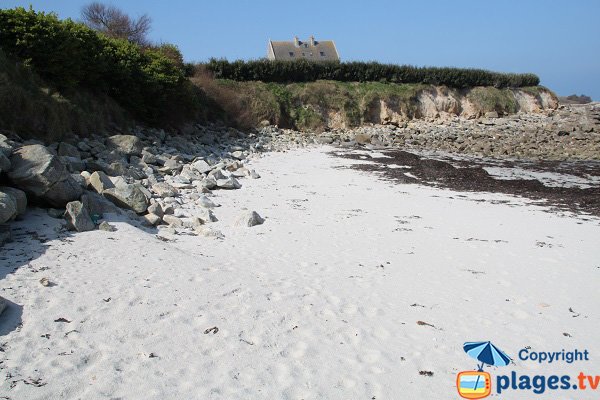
(32, 110)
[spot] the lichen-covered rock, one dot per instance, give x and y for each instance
(18, 196)
(8, 207)
(129, 196)
(99, 181)
(41, 174)
(249, 219)
(78, 218)
(126, 144)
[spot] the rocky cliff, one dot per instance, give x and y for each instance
(444, 103)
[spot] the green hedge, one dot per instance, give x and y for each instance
(69, 55)
(306, 71)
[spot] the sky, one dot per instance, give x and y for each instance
(557, 40)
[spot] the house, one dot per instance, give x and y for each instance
(313, 50)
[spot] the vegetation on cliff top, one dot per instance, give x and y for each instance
(306, 71)
(61, 76)
(70, 56)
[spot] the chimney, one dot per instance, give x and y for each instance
(312, 40)
(296, 41)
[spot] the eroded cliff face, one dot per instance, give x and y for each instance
(444, 103)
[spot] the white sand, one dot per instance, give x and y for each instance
(319, 302)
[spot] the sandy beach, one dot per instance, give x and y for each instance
(354, 288)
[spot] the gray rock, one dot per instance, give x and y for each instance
(41, 174)
(206, 216)
(19, 197)
(249, 219)
(105, 226)
(149, 158)
(80, 180)
(129, 196)
(229, 183)
(152, 219)
(209, 182)
(238, 155)
(99, 181)
(163, 189)
(206, 202)
(156, 209)
(4, 163)
(68, 150)
(6, 146)
(217, 174)
(208, 231)
(173, 221)
(201, 166)
(253, 174)
(78, 218)
(361, 138)
(171, 166)
(3, 302)
(8, 207)
(126, 144)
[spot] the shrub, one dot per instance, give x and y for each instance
(149, 83)
(306, 71)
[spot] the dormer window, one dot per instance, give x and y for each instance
(322, 54)
(291, 54)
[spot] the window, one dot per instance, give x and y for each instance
(291, 54)
(322, 54)
(303, 54)
(311, 54)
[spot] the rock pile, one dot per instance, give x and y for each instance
(155, 178)
(167, 180)
(570, 132)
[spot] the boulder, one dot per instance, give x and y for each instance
(253, 174)
(18, 196)
(3, 304)
(41, 174)
(205, 216)
(201, 166)
(361, 138)
(249, 219)
(156, 209)
(68, 150)
(78, 217)
(209, 182)
(208, 231)
(8, 207)
(97, 205)
(105, 226)
(206, 202)
(126, 144)
(163, 190)
(152, 219)
(238, 155)
(173, 221)
(99, 181)
(6, 145)
(4, 163)
(229, 183)
(129, 196)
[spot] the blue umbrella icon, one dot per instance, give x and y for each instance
(487, 353)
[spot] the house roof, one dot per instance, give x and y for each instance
(314, 50)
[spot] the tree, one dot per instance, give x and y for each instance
(115, 23)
